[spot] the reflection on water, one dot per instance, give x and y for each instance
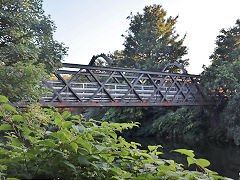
(224, 159)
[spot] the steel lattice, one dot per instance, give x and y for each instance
(83, 85)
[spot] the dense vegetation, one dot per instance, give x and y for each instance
(223, 77)
(27, 48)
(42, 143)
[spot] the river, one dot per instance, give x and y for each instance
(225, 159)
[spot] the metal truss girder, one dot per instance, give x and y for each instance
(111, 86)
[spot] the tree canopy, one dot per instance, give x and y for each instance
(223, 74)
(151, 41)
(27, 48)
(26, 34)
(223, 77)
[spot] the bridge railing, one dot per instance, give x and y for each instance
(83, 85)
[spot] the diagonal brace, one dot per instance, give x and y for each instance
(67, 85)
(101, 85)
(157, 87)
(131, 86)
(56, 96)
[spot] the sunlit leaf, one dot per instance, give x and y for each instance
(202, 162)
(6, 127)
(58, 121)
(9, 108)
(111, 159)
(16, 142)
(126, 175)
(79, 128)
(105, 123)
(74, 146)
(3, 99)
(86, 145)
(190, 160)
(116, 169)
(75, 117)
(66, 114)
(185, 151)
(3, 167)
(67, 124)
(18, 118)
(113, 134)
(47, 142)
(152, 148)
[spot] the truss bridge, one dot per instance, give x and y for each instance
(78, 85)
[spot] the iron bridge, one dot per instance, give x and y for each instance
(78, 85)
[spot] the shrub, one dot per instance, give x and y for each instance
(22, 81)
(42, 143)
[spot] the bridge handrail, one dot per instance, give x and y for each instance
(118, 69)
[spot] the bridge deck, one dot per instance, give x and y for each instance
(82, 85)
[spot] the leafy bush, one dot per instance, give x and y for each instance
(21, 81)
(42, 143)
(183, 122)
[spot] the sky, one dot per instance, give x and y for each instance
(92, 27)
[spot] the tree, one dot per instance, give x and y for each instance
(22, 81)
(223, 77)
(151, 41)
(27, 48)
(228, 45)
(26, 34)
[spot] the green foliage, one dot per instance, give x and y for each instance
(223, 73)
(188, 123)
(26, 34)
(185, 122)
(223, 77)
(124, 114)
(3, 99)
(21, 81)
(151, 41)
(27, 49)
(42, 143)
(145, 115)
